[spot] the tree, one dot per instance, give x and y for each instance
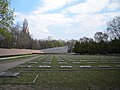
(76, 48)
(70, 45)
(6, 14)
(6, 21)
(100, 36)
(113, 27)
(25, 26)
(24, 38)
(114, 46)
(15, 30)
(92, 47)
(101, 40)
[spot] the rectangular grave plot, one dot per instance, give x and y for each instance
(104, 66)
(46, 62)
(24, 66)
(32, 62)
(83, 60)
(44, 66)
(72, 60)
(62, 62)
(90, 62)
(10, 74)
(76, 62)
(104, 62)
(65, 67)
(49, 60)
(86, 66)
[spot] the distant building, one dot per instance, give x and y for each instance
(56, 50)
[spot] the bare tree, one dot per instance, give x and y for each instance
(113, 27)
(24, 38)
(100, 36)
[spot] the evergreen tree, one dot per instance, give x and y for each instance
(76, 48)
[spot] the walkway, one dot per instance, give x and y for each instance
(9, 65)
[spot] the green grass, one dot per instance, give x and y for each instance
(25, 78)
(83, 79)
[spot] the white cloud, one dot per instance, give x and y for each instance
(90, 21)
(88, 25)
(113, 6)
(85, 22)
(52, 5)
(89, 6)
(39, 23)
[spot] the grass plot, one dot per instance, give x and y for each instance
(76, 74)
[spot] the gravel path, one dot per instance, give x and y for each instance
(9, 65)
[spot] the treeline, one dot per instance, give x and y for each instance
(90, 46)
(102, 43)
(20, 38)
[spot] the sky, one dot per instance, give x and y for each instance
(65, 19)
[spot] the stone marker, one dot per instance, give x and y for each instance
(65, 66)
(86, 66)
(9, 74)
(32, 62)
(83, 60)
(71, 60)
(103, 66)
(90, 62)
(24, 66)
(104, 62)
(44, 66)
(46, 62)
(62, 62)
(76, 62)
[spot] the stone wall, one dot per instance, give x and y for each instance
(63, 49)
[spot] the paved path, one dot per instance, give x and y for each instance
(9, 65)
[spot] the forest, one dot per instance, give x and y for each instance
(18, 36)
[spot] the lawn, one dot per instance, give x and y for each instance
(75, 78)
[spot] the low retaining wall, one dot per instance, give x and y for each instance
(7, 52)
(56, 50)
